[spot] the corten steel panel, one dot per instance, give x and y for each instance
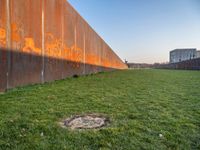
(3, 53)
(25, 27)
(98, 46)
(97, 52)
(100, 50)
(79, 46)
(91, 57)
(69, 39)
(53, 14)
(87, 49)
(3, 69)
(89, 54)
(3, 23)
(73, 42)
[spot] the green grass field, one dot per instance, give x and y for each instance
(141, 104)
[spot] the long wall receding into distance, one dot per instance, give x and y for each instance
(46, 40)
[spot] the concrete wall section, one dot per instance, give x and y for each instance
(193, 64)
(46, 40)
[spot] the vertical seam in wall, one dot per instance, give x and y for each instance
(75, 42)
(75, 38)
(8, 41)
(99, 55)
(42, 72)
(84, 53)
(62, 50)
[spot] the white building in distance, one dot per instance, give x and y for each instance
(198, 54)
(179, 55)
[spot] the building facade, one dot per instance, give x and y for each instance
(179, 55)
(198, 54)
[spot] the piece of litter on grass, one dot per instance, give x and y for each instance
(42, 134)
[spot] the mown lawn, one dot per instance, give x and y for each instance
(141, 104)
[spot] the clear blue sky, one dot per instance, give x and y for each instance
(144, 30)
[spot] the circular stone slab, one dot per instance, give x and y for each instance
(90, 121)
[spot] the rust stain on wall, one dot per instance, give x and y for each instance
(15, 33)
(30, 47)
(53, 46)
(2, 37)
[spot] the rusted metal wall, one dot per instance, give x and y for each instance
(3, 43)
(45, 40)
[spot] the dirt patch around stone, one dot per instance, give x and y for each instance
(88, 121)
